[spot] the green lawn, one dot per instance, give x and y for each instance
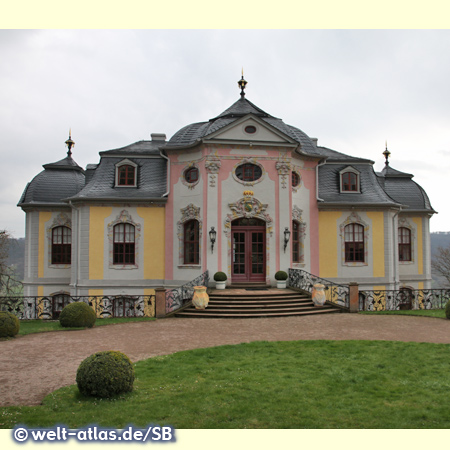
(298, 384)
(39, 326)
(440, 313)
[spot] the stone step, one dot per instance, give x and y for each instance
(258, 296)
(256, 304)
(215, 315)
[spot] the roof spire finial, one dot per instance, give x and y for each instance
(386, 154)
(242, 83)
(70, 143)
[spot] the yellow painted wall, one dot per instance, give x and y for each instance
(328, 235)
(96, 292)
(154, 242)
(149, 311)
(377, 219)
(44, 217)
(97, 216)
(418, 222)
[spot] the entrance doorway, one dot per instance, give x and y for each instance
(248, 242)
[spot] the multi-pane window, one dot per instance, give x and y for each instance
(191, 175)
(295, 241)
(124, 248)
(249, 172)
(126, 175)
(354, 243)
(404, 244)
(295, 179)
(191, 242)
(349, 182)
(61, 245)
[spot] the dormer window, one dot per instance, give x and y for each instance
(349, 180)
(126, 174)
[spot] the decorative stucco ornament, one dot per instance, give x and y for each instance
(200, 299)
(318, 295)
(283, 167)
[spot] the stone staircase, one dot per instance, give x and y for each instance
(242, 303)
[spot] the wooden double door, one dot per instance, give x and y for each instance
(248, 243)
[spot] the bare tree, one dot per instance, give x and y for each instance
(441, 262)
(9, 284)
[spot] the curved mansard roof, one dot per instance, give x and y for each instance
(401, 187)
(56, 182)
(191, 134)
(371, 192)
(151, 174)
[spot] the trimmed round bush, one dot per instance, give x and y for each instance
(77, 314)
(220, 276)
(281, 275)
(447, 310)
(9, 324)
(105, 374)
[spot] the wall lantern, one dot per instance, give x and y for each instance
(287, 235)
(212, 238)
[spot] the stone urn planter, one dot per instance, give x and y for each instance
(221, 280)
(318, 294)
(281, 284)
(200, 299)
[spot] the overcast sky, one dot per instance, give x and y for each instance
(353, 90)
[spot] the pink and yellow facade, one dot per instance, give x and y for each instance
(243, 193)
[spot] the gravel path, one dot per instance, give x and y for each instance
(32, 366)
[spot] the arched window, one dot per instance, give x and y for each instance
(296, 249)
(349, 182)
(295, 179)
(126, 175)
(354, 242)
(124, 248)
(191, 242)
(404, 244)
(61, 245)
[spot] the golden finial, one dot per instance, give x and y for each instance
(70, 143)
(386, 154)
(242, 83)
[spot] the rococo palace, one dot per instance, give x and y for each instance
(243, 193)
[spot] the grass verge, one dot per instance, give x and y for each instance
(440, 313)
(40, 326)
(297, 384)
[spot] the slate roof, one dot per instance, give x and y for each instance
(56, 182)
(137, 148)
(151, 174)
(401, 187)
(371, 192)
(193, 133)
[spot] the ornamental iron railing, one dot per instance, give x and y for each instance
(180, 296)
(392, 300)
(50, 307)
(334, 293)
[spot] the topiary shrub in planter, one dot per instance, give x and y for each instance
(77, 314)
(9, 324)
(105, 374)
(281, 276)
(447, 310)
(220, 278)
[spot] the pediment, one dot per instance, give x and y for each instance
(251, 129)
